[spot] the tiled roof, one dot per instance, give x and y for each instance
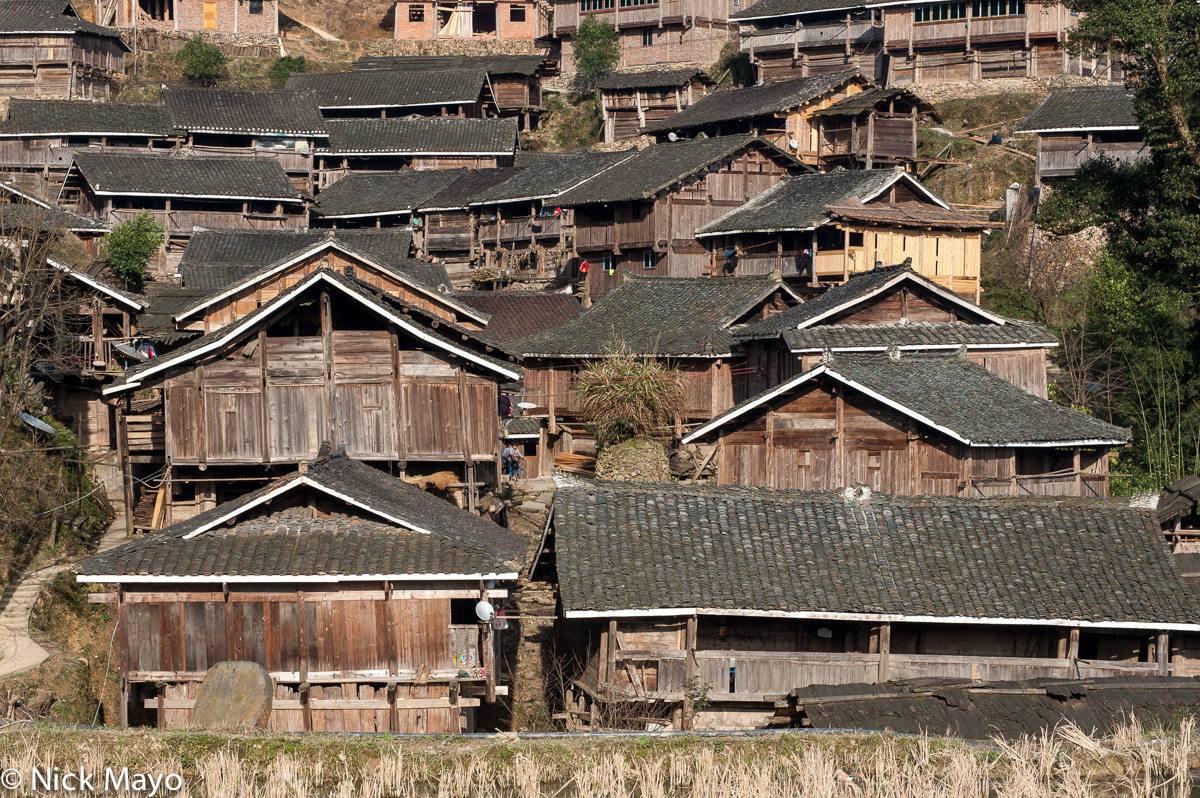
(630, 546)
(1083, 108)
(462, 192)
(656, 316)
(182, 176)
(527, 65)
(48, 16)
(865, 101)
(649, 78)
(356, 541)
(49, 117)
(919, 335)
(387, 88)
(1178, 498)
(157, 322)
(380, 303)
(250, 111)
(660, 166)
(380, 193)
(544, 175)
(783, 8)
(517, 314)
(801, 202)
(950, 393)
(25, 209)
(746, 104)
(423, 136)
(909, 214)
(215, 259)
(521, 425)
(860, 286)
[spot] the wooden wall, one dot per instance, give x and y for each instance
(825, 437)
(59, 66)
(278, 396)
(348, 643)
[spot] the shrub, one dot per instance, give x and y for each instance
(597, 47)
(201, 61)
(130, 246)
(284, 66)
(625, 396)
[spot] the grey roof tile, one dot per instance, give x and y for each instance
(420, 135)
(380, 193)
(184, 176)
(801, 202)
(48, 16)
(746, 104)
(354, 542)
(784, 8)
(24, 208)
(526, 65)
(948, 391)
(49, 117)
(650, 78)
(629, 546)
(656, 316)
(546, 175)
(1083, 108)
(660, 166)
(921, 335)
(462, 192)
(248, 111)
(517, 314)
(369, 88)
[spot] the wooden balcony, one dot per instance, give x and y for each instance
(1064, 160)
(187, 221)
(858, 34)
(289, 160)
(529, 228)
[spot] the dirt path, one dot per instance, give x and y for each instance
(18, 651)
(326, 35)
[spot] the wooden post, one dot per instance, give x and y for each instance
(489, 661)
(610, 655)
(123, 655)
(1073, 646)
(1163, 649)
(839, 446)
(304, 690)
(689, 672)
(126, 475)
(1077, 462)
(885, 650)
(330, 388)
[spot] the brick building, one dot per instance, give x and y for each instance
(259, 17)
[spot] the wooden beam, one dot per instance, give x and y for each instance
(1163, 649)
(689, 672)
(885, 649)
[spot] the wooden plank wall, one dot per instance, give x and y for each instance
(65, 67)
(548, 384)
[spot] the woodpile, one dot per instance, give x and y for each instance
(14, 708)
(575, 463)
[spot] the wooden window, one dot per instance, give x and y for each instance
(606, 262)
(637, 3)
(940, 12)
(997, 8)
(256, 6)
(647, 37)
(649, 260)
(596, 5)
(210, 14)
(856, 239)
(416, 13)
(516, 13)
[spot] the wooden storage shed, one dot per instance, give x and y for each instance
(48, 51)
(913, 424)
(1075, 125)
(672, 593)
(631, 100)
(355, 590)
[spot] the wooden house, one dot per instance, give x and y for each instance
(48, 51)
(516, 80)
(389, 93)
(1075, 125)
(652, 32)
(684, 320)
(380, 199)
(890, 308)
(972, 40)
(631, 100)
(915, 423)
(182, 193)
(353, 589)
(641, 216)
(247, 17)
(480, 21)
(27, 210)
(285, 126)
(521, 233)
(330, 357)
(39, 136)
(871, 129)
(828, 227)
(673, 592)
(781, 112)
(444, 226)
(787, 39)
(416, 142)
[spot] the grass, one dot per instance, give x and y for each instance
(570, 122)
(1064, 764)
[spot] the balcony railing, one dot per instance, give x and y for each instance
(860, 33)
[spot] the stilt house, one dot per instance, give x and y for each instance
(631, 100)
(673, 593)
(380, 199)
(355, 590)
(1075, 125)
(48, 51)
(391, 93)
(788, 39)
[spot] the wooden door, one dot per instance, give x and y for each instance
(210, 14)
(297, 410)
(364, 377)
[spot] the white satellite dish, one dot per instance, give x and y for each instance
(795, 145)
(672, 136)
(485, 612)
(526, 405)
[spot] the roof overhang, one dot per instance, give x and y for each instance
(315, 249)
(231, 332)
(882, 618)
(370, 215)
(87, 279)
(420, 153)
(904, 276)
(288, 579)
(816, 350)
(103, 193)
(1082, 129)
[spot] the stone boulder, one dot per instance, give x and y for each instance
(235, 696)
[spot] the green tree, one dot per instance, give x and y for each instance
(131, 245)
(283, 67)
(201, 61)
(597, 47)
